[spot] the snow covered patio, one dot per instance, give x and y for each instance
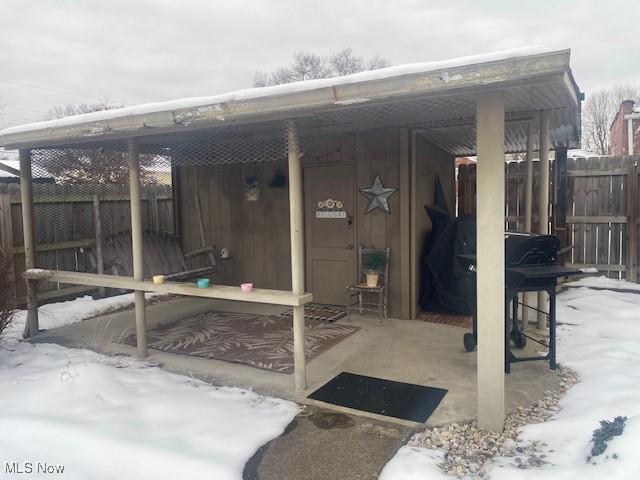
(416, 352)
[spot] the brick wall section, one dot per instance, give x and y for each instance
(619, 143)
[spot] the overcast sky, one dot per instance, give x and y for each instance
(54, 52)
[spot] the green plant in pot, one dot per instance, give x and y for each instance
(373, 264)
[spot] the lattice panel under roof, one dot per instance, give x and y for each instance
(448, 120)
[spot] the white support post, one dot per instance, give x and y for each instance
(136, 243)
(543, 204)
(528, 298)
(297, 252)
(26, 194)
(630, 136)
(490, 260)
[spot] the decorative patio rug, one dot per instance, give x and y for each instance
(465, 321)
(258, 340)
(383, 397)
(314, 311)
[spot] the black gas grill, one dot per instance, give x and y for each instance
(531, 265)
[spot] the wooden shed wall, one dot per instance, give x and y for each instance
(257, 233)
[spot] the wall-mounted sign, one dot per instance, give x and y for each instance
(330, 208)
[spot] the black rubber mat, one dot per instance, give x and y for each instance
(384, 397)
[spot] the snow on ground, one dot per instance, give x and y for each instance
(603, 282)
(53, 315)
(600, 339)
(105, 417)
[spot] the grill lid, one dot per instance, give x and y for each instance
(529, 249)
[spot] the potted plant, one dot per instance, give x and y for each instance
(373, 264)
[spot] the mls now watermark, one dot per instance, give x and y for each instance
(37, 468)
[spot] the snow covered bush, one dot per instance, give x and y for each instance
(6, 290)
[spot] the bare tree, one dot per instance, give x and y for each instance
(90, 166)
(597, 117)
(622, 92)
(306, 66)
(599, 111)
(376, 62)
(345, 62)
(61, 111)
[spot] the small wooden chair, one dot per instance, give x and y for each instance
(360, 290)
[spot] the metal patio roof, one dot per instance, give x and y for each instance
(438, 98)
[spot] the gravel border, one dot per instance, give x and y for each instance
(469, 451)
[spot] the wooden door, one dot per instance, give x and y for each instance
(329, 194)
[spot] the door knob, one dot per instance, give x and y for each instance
(350, 247)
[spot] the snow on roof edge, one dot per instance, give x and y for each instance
(261, 92)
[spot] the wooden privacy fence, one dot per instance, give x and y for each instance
(600, 209)
(65, 224)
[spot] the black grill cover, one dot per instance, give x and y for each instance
(447, 284)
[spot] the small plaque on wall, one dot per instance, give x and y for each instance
(330, 208)
(330, 214)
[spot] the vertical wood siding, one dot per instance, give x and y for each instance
(257, 233)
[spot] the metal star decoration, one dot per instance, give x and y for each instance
(377, 196)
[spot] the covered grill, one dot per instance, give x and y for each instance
(531, 265)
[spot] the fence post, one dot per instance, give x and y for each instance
(559, 209)
(6, 242)
(154, 219)
(97, 219)
(632, 221)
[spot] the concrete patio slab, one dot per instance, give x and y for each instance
(402, 350)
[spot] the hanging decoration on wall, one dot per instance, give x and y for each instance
(330, 208)
(251, 189)
(377, 196)
(279, 180)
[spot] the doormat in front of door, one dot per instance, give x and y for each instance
(383, 397)
(314, 311)
(262, 341)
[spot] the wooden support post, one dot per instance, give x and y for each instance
(136, 245)
(154, 216)
(490, 248)
(26, 193)
(543, 204)
(97, 222)
(528, 298)
(6, 243)
(297, 252)
(559, 209)
(632, 219)
(528, 200)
